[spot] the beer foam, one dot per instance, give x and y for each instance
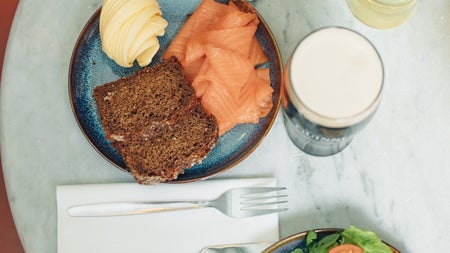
(336, 77)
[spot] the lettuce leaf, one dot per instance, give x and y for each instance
(367, 240)
(324, 244)
(310, 237)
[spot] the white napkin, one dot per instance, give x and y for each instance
(170, 232)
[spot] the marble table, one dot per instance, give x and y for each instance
(392, 179)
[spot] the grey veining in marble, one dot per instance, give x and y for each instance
(393, 178)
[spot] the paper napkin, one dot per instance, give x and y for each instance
(185, 231)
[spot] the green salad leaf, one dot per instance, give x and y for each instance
(310, 237)
(367, 240)
(324, 244)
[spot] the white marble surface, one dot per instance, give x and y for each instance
(393, 178)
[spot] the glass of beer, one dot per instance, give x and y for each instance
(382, 14)
(332, 86)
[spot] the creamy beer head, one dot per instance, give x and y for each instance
(335, 77)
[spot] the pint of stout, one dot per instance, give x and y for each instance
(332, 86)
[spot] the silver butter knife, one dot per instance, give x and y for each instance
(237, 248)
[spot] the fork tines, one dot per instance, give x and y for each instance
(264, 200)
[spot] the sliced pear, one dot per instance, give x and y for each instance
(147, 34)
(138, 22)
(119, 18)
(128, 30)
(109, 8)
(146, 57)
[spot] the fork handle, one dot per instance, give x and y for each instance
(131, 208)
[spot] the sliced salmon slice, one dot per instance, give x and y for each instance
(218, 50)
(255, 99)
(207, 14)
(203, 79)
(191, 70)
(232, 68)
(238, 18)
(237, 39)
(221, 104)
(264, 74)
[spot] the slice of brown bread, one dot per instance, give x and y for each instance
(149, 98)
(156, 123)
(171, 149)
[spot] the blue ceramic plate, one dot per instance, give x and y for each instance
(91, 67)
(288, 244)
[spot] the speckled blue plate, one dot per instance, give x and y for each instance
(91, 67)
(298, 241)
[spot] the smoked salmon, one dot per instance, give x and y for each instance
(218, 49)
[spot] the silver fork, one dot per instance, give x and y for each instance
(237, 203)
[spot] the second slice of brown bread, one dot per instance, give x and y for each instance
(171, 149)
(156, 123)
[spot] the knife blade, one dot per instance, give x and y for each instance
(237, 248)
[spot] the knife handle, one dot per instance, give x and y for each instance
(131, 208)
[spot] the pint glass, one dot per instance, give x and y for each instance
(332, 86)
